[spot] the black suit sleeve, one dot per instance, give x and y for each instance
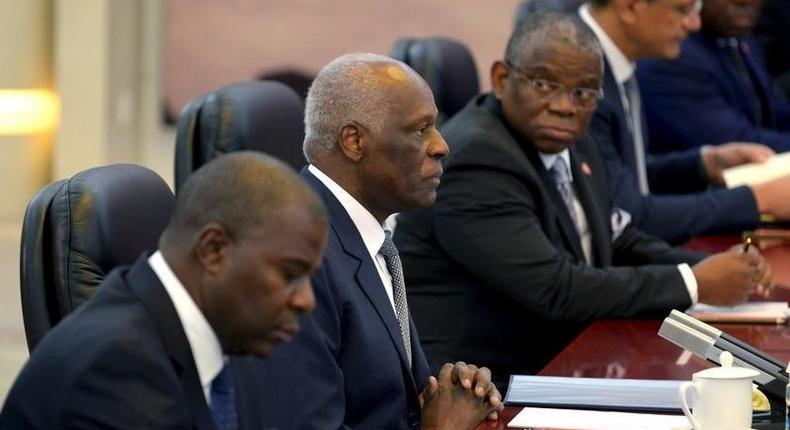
(487, 221)
(143, 394)
(692, 214)
(308, 368)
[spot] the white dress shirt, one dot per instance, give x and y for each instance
(583, 228)
(622, 70)
(203, 342)
(371, 231)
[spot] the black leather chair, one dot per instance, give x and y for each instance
(77, 230)
(534, 6)
(264, 116)
(447, 65)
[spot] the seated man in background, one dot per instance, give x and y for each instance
(150, 349)
(522, 248)
(666, 194)
(718, 89)
(773, 34)
(374, 150)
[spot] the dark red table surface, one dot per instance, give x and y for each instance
(633, 349)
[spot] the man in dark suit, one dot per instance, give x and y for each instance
(374, 150)
(522, 248)
(659, 188)
(773, 34)
(150, 349)
(718, 89)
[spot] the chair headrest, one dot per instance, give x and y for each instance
(529, 7)
(100, 219)
(264, 116)
(447, 65)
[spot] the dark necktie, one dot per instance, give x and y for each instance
(562, 178)
(391, 257)
(223, 400)
(733, 47)
(634, 112)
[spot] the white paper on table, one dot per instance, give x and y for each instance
(752, 312)
(755, 173)
(595, 420)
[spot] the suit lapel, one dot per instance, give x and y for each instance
(565, 225)
(761, 82)
(149, 290)
(368, 279)
(613, 98)
(743, 91)
(593, 209)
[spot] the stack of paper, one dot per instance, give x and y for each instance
(754, 312)
(755, 173)
(643, 395)
(595, 420)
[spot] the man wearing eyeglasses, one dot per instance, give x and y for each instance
(667, 195)
(522, 249)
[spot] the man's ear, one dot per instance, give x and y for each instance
(213, 247)
(499, 74)
(626, 9)
(353, 138)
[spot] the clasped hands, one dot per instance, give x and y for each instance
(460, 398)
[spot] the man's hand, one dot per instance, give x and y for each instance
(727, 278)
(461, 398)
(719, 157)
(773, 197)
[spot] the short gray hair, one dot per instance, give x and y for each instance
(242, 191)
(550, 28)
(345, 90)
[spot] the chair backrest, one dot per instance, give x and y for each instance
(264, 116)
(77, 230)
(447, 65)
(535, 6)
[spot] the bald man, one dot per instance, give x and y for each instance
(150, 349)
(374, 150)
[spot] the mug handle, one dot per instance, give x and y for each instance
(682, 392)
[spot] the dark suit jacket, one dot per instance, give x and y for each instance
(120, 361)
(346, 368)
(494, 270)
(700, 98)
(773, 33)
(698, 212)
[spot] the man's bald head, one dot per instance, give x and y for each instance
(354, 88)
(242, 191)
(549, 30)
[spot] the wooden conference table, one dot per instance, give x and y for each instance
(633, 349)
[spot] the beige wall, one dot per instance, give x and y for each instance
(25, 63)
(103, 60)
(209, 43)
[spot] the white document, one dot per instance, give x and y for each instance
(595, 420)
(753, 312)
(755, 173)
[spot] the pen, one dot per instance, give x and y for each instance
(747, 242)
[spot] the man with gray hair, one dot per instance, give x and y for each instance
(523, 248)
(374, 150)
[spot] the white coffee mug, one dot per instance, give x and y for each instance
(722, 397)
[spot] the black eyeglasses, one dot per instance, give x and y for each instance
(545, 89)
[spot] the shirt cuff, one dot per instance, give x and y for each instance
(690, 281)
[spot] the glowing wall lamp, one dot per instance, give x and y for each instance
(27, 112)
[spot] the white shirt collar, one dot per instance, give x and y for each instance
(203, 342)
(371, 231)
(549, 159)
(622, 68)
